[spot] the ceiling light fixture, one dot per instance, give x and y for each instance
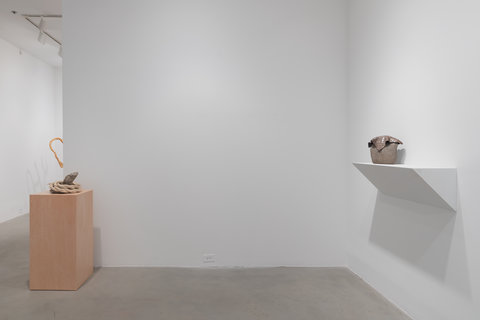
(43, 35)
(41, 28)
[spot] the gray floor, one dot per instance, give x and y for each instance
(193, 294)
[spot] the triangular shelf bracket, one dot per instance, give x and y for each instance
(432, 186)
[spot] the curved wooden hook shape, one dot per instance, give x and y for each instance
(60, 163)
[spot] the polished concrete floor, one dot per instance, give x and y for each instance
(190, 294)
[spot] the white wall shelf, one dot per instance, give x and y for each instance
(433, 186)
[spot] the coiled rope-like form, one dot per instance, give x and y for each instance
(60, 187)
(67, 185)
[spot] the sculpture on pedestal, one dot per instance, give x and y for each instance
(67, 185)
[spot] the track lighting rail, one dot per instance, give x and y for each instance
(29, 17)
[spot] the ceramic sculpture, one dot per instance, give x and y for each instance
(67, 185)
(383, 149)
(60, 163)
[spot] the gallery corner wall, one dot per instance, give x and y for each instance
(209, 127)
(31, 109)
(415, 74)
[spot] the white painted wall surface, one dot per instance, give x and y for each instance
(30, 115)
(209, 127)
(415, 74)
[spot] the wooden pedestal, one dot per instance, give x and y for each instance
(61, 240)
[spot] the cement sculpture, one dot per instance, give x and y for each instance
(383, 149)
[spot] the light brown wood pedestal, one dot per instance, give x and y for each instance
(61, 240)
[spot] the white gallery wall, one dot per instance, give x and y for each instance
(31, 115)
(415, 74)
(209, 127)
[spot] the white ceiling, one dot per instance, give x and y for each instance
(18, 31)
